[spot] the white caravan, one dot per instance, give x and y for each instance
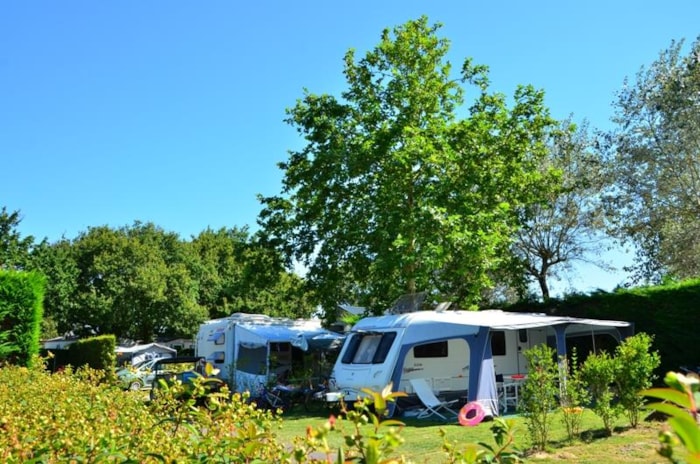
(253, 349)
(459, 353)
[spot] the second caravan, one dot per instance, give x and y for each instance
(254, 349)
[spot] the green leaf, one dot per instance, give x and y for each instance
(668, 394)
(688, 431)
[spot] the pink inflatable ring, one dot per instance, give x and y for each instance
(471, 414)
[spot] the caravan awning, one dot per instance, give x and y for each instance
(256, 335)
(451, 324)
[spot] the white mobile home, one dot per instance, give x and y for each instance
(253, 349)
(457, 352)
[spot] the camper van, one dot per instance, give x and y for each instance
(459, 353)
(251, 350)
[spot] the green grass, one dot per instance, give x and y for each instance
(423, 443)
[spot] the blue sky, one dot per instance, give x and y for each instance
(172, 112)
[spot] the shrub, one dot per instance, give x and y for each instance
(482, 453)
(96, 352)
(598, 372)
(21, 310)
(376, 446)
(635, 364)
(573, 394)
(539, 393)
(65, 417)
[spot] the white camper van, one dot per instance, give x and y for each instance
(459, 353)
(253, 349)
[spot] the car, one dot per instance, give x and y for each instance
(184, 369)
(138, 376)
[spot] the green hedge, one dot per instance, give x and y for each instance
(671, 313)
(21, 311)
(97, 352)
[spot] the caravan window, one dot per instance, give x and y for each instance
(368, 348)
(252, 360)
(431, 350)
(498, 343)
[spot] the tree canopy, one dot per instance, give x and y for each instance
(394, 192)
(144, 283)
(14, 249)
(654, 154)
(568, 225)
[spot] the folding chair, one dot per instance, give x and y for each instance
(433, 405)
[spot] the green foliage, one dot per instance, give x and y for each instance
(14, 249)
(135, 282)
(482, 453)
(239, 273)
(65, 417)
(538, 393)
(96, 352)
(57, 262)
(598, 371)
(573, 394)
(567, 225)
(680, 402)
(141, 282)
(391, 186)
(375, 445)
(21, 309)
(635, 364)
(655, 158)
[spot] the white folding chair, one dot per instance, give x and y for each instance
(433, 405)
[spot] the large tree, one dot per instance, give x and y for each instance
(135, 282)
(393, 193)
(236, 273)
(14, 249)
(655, 158)
(567, 227)
(56, 261)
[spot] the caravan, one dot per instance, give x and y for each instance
(459, 353)
(253, 349)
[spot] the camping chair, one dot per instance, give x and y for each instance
(432, 404)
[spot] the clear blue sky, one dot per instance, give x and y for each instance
(172, 112)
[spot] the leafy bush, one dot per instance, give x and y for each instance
(95, 352)
(74, 417)
(539, 393)
(635, 364)
(376, 446)
(574, 394)
(21, 310)
(598, 372)
(482, 453)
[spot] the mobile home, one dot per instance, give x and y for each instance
(253, 349)
(459, 353)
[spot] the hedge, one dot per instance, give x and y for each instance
(21, 312)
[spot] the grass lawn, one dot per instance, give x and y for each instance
(423, 443)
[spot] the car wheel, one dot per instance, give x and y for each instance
(135, 385)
